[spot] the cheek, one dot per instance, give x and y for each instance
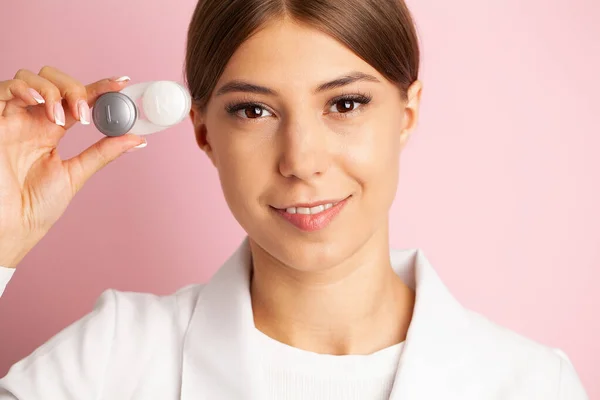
(242, 162)
(372, 153)
(372, 159)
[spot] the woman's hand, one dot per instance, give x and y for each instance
(36, 185)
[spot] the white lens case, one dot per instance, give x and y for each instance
(164, 104)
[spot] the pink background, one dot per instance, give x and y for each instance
(499, 186)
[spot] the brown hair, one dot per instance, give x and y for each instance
(381, 32)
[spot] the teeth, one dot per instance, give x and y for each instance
(307, 211)
(317, 209)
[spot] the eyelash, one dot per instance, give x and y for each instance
(362, 98)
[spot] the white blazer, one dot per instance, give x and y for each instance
(196, 344)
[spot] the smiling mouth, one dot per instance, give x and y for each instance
(312, 217)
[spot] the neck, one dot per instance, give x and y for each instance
(358, 307)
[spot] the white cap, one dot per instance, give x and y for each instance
(164, 104)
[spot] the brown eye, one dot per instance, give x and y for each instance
(344, 106)
(248, 110)
(253, 112)
(348, 104)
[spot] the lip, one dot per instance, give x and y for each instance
(313, 222)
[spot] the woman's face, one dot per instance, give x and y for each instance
(306, 138)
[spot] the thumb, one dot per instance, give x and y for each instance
(97, 156)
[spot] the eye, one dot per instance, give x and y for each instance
(347, 104)
(248, 110)
(344, 106)
(254, 111)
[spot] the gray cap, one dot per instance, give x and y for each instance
(114, 114)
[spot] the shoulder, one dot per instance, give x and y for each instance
(503, 343)
(140, 310)
(123, 333)
(518, 359)
(123, 319)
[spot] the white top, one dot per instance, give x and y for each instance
(201, 342)
(294, 374)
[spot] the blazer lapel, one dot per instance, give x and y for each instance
(217, 353)
(436, 348)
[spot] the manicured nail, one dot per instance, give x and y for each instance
(84, 112)
(37, 96)
(59, 114)
(139, 146)
(123, 78)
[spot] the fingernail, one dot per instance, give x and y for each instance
(139, 146)
(59, 114)
(37, 96)
(123, 78)
(84, 112)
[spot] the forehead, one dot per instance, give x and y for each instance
(286, 53)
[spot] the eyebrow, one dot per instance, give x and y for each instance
(247, 87)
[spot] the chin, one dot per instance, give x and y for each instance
(309, 253)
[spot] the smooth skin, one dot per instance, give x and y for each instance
(332, 291)
(36, 185)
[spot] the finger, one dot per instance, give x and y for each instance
(97, 156)
(72, 91)
(48, 90)
(80, 98)
(96, 89)
(18, 93)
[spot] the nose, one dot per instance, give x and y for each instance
(304, 150)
